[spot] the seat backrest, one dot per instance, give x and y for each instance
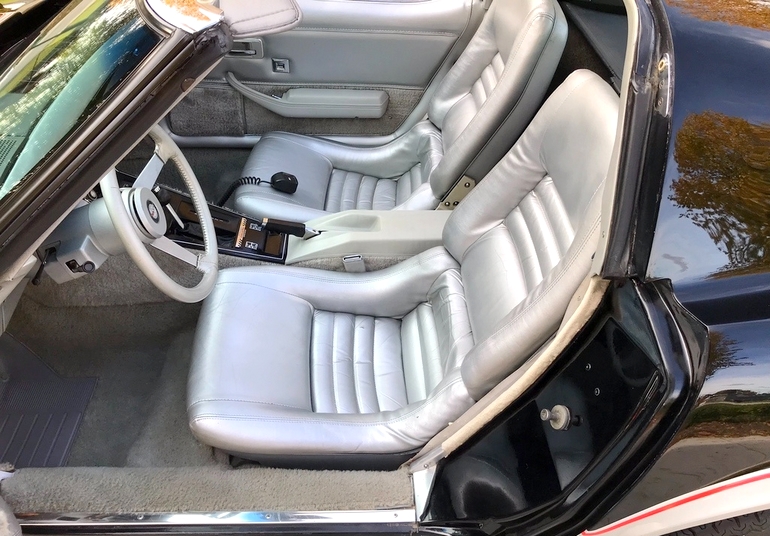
(491, 93)
(525, 236)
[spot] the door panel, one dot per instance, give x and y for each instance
(345, 57)
(216, 109)
(393, 46)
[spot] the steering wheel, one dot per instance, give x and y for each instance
(139, 219)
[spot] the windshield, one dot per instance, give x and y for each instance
(60, 80)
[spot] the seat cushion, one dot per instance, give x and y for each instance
(335, 367)
(249, 377)
(355, 363)
(355, 191)
(334, 177)
(277, 153)
(322, 188)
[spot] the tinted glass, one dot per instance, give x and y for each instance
(62, 78)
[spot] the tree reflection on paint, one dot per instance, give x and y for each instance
(749, 13)
(724, 186)
(723, 354)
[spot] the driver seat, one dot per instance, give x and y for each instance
(303, 367)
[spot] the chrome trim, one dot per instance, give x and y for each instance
(404, 516)
(422, 485)
(152, 20)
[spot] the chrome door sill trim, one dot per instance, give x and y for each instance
(264, 519)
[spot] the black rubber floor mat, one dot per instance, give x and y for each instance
(40, 412)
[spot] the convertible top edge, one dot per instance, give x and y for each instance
(192, 16)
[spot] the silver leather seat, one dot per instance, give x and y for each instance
(481, 107)
(301, 362)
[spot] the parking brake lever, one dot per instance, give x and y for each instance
(47, 256)
(289, 227)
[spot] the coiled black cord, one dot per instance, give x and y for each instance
(240, 182)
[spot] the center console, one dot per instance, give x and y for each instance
(370, 233)
(360, 233)
(237, 234)
(351, 239)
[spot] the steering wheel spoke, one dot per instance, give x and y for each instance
(150, 173)
(146, 222)
(175, 250)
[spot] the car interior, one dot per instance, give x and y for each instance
(391, 210)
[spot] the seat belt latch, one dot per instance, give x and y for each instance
(354, 264)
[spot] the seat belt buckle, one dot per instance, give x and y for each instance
(354, 264)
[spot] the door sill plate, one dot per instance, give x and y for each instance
(342, 521)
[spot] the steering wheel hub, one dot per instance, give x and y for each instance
(147, 212)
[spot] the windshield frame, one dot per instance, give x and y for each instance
(165, 75)
(63, 77)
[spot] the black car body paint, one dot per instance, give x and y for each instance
(712, 240)
(692, 222)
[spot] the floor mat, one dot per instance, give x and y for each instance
(40, 412)
(137, 414)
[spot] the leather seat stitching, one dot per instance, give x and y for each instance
(335, 398)
(573, 257)
(408, 415)
(445, 300)
(273, 289)
(356, 392)
(519, 257)
(547, 218)
(259, 402)
(374, 374)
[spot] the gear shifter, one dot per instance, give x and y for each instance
(289, 227)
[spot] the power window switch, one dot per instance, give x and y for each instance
(281, 65)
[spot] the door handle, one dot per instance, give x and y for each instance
(249, 48)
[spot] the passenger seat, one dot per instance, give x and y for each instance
(479, 110)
